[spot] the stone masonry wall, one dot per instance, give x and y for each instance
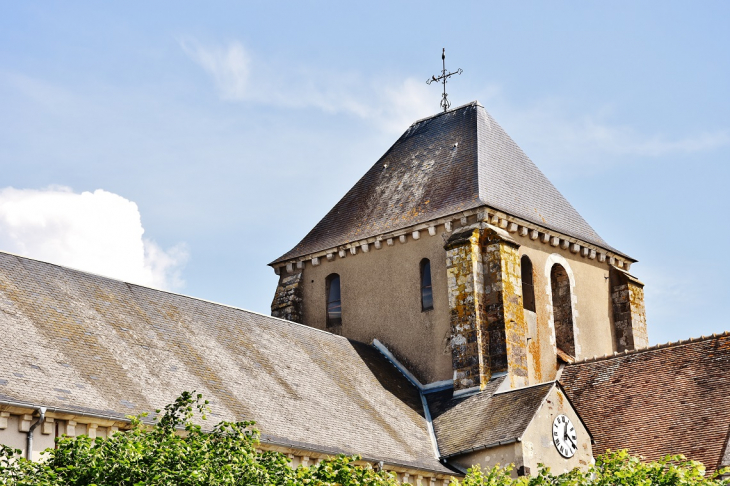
(287, 303)
(489, 332)
(465, 283)
(506, 324)
(629, 313)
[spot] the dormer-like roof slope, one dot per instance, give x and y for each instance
(669, 399)
(451, 162)
(485, 419)
(76, 341)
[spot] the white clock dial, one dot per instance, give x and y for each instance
(565, 437)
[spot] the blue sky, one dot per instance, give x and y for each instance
(230, 128)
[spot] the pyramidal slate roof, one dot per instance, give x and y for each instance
(450, 162)
(81, 342)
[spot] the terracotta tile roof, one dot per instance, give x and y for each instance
(451, 162)
(484, 419)
(668, 399)
(84, 342)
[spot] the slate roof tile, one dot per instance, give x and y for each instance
(106, 347)
(483, 419)
(451, 162)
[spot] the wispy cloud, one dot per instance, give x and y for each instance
(98, 231)
(239, 76)
(572, 139)
(393, 105)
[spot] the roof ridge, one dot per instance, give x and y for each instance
(465, 105)
(656, 347)
(171, 293)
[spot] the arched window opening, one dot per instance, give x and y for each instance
(426, 289)
(562, 310)
(334, 301)
(528, 289)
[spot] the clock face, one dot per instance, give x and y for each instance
(564, 436)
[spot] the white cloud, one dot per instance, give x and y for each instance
(99, 232)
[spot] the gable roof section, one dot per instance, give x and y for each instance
(451, 162)
(484, 419)
(83, 342)
(670, 399)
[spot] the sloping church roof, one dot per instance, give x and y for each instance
(668, 399)
(450, 162)
(463, 424)
(91, 344)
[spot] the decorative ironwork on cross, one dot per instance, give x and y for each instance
(445, 104)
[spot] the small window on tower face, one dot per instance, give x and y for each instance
(426, 290)
(334, 301)
(528, 289)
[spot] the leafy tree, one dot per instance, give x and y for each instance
(176, 451)
(614, 468)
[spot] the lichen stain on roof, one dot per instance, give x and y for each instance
(451, 162)
(123, 349)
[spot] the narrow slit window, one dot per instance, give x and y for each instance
(426, 289)
(528, 289)
(334, 301)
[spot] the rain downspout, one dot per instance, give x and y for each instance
(29, 447)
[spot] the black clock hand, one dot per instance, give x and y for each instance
(571, 441)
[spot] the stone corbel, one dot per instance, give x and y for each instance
(71, 428)
(4, 420)
(48, 426)
(24, 423)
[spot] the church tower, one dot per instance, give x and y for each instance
(457, 254)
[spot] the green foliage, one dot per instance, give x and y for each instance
(176, 451)
(611, 469)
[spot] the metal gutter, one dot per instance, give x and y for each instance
(11, 403)
(29, 443)
(487, 446)
(409, 376)
(326, 452)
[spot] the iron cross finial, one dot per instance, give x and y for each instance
(445, 104)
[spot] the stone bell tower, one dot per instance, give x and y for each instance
(458, 254)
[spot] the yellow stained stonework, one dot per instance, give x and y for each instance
(489, 332)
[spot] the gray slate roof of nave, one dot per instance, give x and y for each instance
(440, 166)
(485, 418)
(79, 341)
